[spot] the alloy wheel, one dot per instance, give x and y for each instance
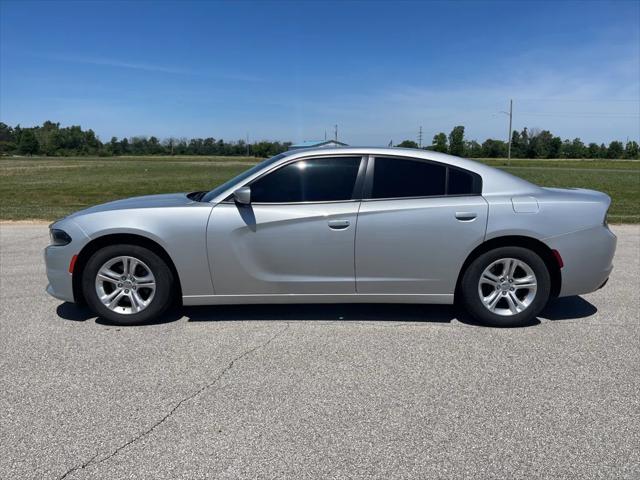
(507, 286)
(125, 285)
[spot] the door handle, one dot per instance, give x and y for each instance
(338, 224)
(466, 216)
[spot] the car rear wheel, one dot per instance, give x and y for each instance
(506, 287)
(127, 284)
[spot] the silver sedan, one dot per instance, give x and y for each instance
(335, 226)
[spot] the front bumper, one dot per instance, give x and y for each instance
(58, 258)
(588, 259)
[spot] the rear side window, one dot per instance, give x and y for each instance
(397, 178)
(463, 183)
(313, 180)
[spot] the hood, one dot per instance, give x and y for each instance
(147, 201)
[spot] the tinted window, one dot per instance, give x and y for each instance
(395, 178)
(316, 180)
(461, 183)
(247, 173)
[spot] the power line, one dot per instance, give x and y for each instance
(577, 114)
(580, 100)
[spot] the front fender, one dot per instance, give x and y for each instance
(180, 231)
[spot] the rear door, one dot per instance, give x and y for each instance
(417, 223)
(296, 237)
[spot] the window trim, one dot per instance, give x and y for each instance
(368, 187)
(356, 194)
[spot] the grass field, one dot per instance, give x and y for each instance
(49, 188)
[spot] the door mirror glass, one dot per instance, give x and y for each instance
(242, 195)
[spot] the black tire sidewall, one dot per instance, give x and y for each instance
(164, 282)
(469, 287)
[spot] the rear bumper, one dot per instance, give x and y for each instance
(588, 259)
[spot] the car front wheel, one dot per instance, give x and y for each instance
(506, 287)
(127, 284)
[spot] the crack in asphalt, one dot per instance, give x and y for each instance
(92, 462)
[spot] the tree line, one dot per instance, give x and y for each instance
(528, 143)
(52, 140)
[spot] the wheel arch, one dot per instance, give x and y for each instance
(529, 243)
(115, 239)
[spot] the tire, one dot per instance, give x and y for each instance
(513, 299)
(148, 278)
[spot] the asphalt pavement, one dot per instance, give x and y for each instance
(317, 391)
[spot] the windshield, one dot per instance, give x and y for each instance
(246, 174)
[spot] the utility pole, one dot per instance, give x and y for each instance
(510, 133)
(420, 137)
(336, 132)
(510, 113)
(247, 144)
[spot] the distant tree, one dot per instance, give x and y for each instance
(125, 148)
(472, 149)
(578, 149)
(593, 150)
(139, 146)
(7, 139)
(602, 151)
(517, 150)
(91, 143)
(407, 144)
(615, 150)
(456, 141)
(169, 144)
(555, 146)
(632, 150)
(28, 143)
(540, 144)
(494, 148)
(50, 139)
(525, 142)
(439, 143)
(154, 147)
(114, 146)
(209, 146)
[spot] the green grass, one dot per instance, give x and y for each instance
(50, 188)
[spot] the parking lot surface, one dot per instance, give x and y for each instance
(317, 391)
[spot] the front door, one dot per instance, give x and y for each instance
(295, 237)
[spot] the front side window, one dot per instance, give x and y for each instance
(398, 178)
(314, 180)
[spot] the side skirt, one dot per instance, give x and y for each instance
(444, 299)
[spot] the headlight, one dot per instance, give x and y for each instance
(59, 237)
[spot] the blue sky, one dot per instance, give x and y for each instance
(291, 70)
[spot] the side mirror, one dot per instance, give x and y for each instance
(242, 195)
